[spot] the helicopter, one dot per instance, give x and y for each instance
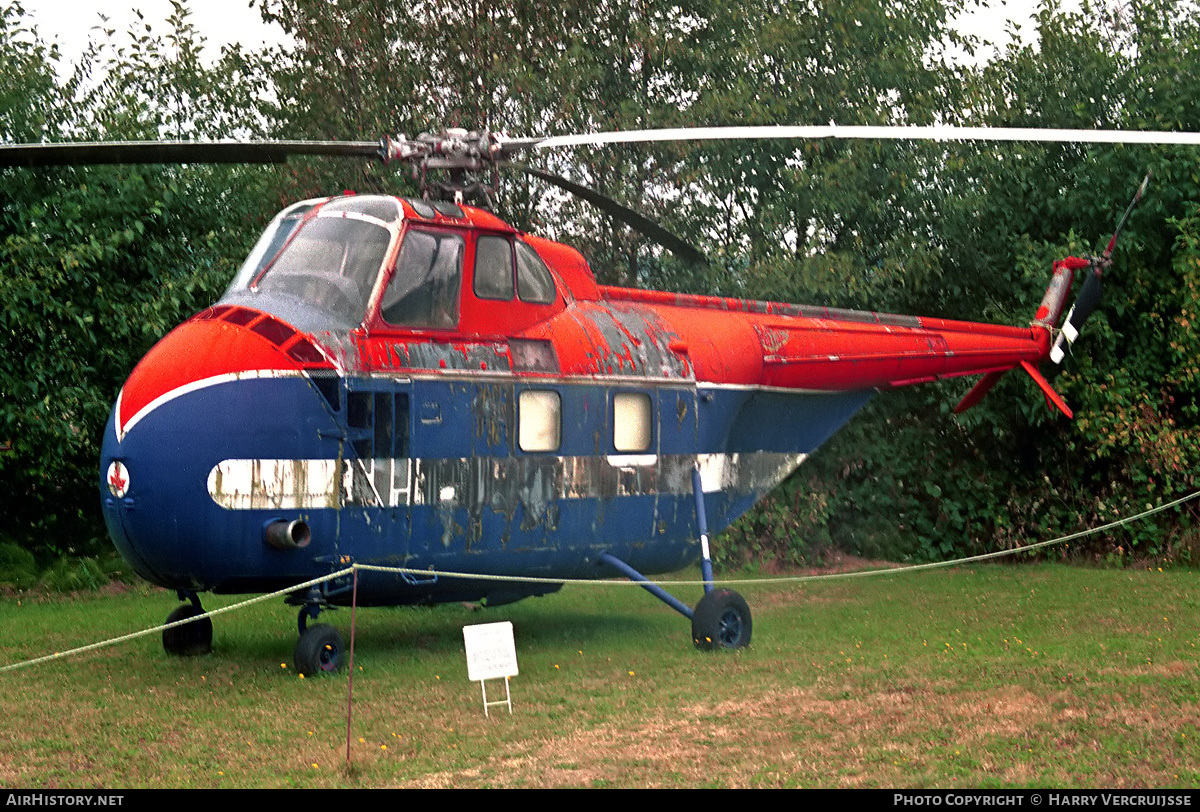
(410, 382)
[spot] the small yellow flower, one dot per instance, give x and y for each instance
(631, 673)
(315, 767)
(362, 740)
(283, 665)
(301, 676)
(556, 666)
(383, 746)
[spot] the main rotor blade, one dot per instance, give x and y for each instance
(628, 216)
(935, 133)
(181, 152)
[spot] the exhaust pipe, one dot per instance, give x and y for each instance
(284, 535)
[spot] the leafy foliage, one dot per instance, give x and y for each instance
(899, 484)
(101, 262)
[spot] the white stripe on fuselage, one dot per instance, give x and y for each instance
(203, 383)
(409, 376)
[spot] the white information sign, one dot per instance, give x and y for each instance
(491, 654)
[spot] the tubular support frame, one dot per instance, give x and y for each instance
(654, 589)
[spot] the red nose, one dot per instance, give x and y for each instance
(215, 345)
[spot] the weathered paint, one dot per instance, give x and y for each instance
(403, 446)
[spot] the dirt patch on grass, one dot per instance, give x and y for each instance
(785, 738)
(914, 735)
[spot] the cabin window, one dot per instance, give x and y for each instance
(493, 268)
(424, 289)
(534, 281)
(632, 421)
(539, 415)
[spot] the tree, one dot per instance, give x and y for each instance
(101, 262)
(1010, 471)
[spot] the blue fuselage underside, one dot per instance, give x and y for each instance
(432, 476)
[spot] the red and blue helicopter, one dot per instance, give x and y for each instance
(413, 383)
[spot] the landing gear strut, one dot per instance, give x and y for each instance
(722, 617)
(190, 639)
(720, 620)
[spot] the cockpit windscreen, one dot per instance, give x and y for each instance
(332, 263)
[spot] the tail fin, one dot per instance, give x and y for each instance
(1050, 309)
(1053, 399)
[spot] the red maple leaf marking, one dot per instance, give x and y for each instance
(116, 481)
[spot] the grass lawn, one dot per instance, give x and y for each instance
(1006, 675)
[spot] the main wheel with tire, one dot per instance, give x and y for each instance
(721, 620)
(190, 639)
(320, 650)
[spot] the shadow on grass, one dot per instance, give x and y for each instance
(413, 633)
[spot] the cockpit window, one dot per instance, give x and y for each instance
(493, 268)
(268, 245)
(424, 290)
(332, 263)
(534, 282)
(382, 208)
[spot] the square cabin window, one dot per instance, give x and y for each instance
(632, 426)
(493, 268)
(539, 415)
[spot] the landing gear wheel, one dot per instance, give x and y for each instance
(721, 620)
(319, 650)
(191, 639)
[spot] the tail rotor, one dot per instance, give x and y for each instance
(1089, 295)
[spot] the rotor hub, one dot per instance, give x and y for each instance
(460, 152)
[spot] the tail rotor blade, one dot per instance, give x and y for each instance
(1089, 295)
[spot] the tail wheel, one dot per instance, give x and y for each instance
(320, 650)
(190, 639)
(721, 620)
